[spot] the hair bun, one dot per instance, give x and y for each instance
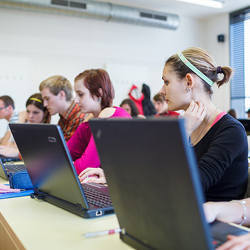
(219, 70)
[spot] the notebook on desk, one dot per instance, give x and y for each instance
(154, 184)
(52, 172)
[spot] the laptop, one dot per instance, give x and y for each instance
(154, 184)
(246, 124)
(10, 167)
(52, 172)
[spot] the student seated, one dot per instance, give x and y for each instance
(57, 97)
(7, 112)
(35, 113)
(219, 141)
(236, 211)
(94, 94)
(131, 108)
(161, 106)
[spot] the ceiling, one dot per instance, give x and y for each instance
(181, 8)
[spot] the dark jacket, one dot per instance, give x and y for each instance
(147, 105)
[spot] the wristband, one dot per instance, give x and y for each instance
(244, 207)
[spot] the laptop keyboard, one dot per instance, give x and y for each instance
(96, 198)
(12, 167)
(220, 230)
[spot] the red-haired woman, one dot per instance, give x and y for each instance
(95, 95)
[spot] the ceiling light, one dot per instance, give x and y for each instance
(208, 3)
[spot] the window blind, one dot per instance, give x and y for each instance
(237, 58)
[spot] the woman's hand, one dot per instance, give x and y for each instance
(94, 175)
(236, 243)
(107, 112)
(194, 115)
(9, 151)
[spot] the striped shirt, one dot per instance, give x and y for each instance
(71, 120)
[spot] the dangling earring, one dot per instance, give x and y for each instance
(99, 99)
(188, 90)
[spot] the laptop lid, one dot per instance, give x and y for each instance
(246, 124)
(50, 167)
(153, 181)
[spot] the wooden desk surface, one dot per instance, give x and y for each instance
(40, 225)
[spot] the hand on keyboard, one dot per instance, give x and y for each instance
(94, 175)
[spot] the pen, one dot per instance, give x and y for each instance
(102, 233)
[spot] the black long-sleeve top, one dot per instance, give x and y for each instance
(222, 156)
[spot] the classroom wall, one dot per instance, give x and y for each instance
(213, 26)
(34, 46)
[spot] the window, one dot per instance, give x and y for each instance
(240, 60)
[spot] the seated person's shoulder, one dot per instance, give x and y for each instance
(107, 112)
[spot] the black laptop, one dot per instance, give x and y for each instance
(52, 172)
(154, 184)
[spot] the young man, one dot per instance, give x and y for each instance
(161, 106)
(57, 97)
(7, 112)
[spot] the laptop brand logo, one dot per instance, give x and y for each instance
(51, 139)
(98, 134)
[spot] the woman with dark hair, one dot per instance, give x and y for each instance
(130, 107)
(35, 112)
(94, 94)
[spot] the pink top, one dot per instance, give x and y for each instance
(82, 145)
(218, 117)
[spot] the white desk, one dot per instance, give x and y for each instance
(34, 224)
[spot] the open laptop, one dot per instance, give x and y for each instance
(52, 172)
(153, 180)
(10, 167)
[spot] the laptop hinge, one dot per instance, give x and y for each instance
(72, 207)
(38, 194)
